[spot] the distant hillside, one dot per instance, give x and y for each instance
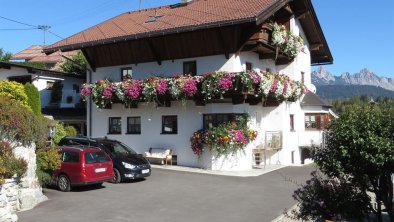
(348, 91)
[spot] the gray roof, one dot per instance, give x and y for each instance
(311, 99)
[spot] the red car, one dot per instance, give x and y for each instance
(82, 166)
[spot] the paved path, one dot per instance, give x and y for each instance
(176, 196)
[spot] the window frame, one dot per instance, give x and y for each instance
(215, 118)
(188, 63)
(163, 121)
(110, 131)
(122, 77)
(129, 129)
(321, 121)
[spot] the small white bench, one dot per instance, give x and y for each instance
(161, 154)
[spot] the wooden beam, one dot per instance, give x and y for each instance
(223, 43)
(315, 46)
(89, 60)
(288, 9)
(302, 15)
(154, 51)
(266, 55)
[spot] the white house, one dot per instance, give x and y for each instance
(44, 80)
(198, 37)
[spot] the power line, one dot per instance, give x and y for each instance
(18, 29)
(55, 34)
(21, 23)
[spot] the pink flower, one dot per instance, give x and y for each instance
(134, 90)
(190, 87)
(86, 91)
(162, 87)
(274, 85)
(107, 92)
(225, 83)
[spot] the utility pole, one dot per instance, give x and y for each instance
(44, 28)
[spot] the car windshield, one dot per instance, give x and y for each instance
(118, 148)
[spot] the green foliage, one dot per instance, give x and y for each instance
(48, 160)
(60, 132)
(33, 98)
(9, 163)
(329, 199)
(56, 94)
(341, 105)
(70, 131)
(359, 146)
(5, 56)
(76, 66)
(15, 91)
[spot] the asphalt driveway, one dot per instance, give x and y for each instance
(176, 196)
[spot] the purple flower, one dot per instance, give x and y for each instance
(134, 90)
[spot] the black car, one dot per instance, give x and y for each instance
(127, 163)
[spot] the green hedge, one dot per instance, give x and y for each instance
(33, 98)
(15, 91)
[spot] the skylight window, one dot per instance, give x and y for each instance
(154, 18)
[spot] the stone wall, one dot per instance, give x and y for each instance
(18, 194)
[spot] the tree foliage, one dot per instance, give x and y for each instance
(5, 56)
(77, 65)
(33, 98)
(15, 91)
(57, 91)
(359, 146)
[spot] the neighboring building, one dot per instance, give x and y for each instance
(44, 80)
(198, 37)
(35, 54)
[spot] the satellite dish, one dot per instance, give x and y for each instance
(312, 88)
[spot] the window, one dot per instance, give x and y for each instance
(248, 66)
(76, 87)
(291, 122)
(70, 157)
(50, 85)
(169, 125)
(126, 73)
(316, 121)
(115, 125)
(190, 68)
(133, 125)
(303, 77)
(213, 120)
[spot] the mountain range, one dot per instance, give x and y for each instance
(347, 85)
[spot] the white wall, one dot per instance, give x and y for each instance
(40, 79)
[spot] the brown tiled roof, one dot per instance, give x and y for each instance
(199, 14)
(35, 54)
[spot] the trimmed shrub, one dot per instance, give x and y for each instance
(15, 91)
(70, 131)
(33, 98)
(59, 133)
(10, 164)
(48, 160)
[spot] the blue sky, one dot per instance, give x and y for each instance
(360, 33)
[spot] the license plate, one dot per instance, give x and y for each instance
(100, 170)
(145, 171)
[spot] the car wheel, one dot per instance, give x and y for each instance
(63, 183)
(117, 177)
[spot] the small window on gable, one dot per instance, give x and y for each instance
(190, 68)
(126, 73)
(248, 66)
(114, 125)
